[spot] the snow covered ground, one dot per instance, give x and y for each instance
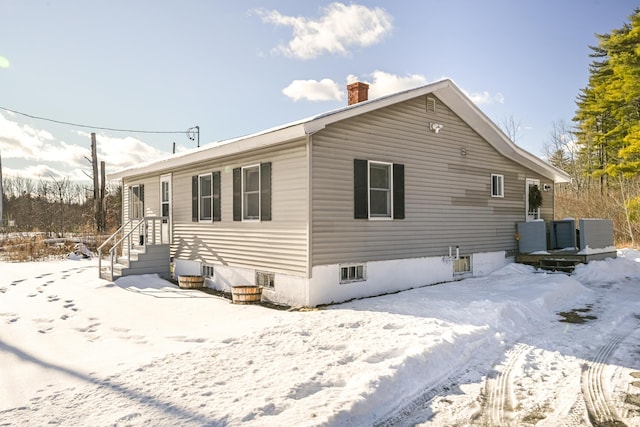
(78, 350)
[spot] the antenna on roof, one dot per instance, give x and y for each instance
(193, 133)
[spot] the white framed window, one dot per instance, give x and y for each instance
(136, 202)
(205, 197)
(497, 185)
(265, 279)
(352, 273)
(380, 194)
(462, 265)
(251, 193)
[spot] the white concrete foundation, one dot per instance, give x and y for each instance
(324, 286)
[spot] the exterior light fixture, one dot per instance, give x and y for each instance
(436, 127)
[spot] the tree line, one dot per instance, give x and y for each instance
(56, 207)
(600, 149)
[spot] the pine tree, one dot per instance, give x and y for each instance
(608, 112)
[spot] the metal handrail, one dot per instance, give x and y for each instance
(113, 251)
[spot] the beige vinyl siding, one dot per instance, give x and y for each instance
(447, 195)
(279, 245)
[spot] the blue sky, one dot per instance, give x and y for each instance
(238, 67)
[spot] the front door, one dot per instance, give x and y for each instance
(531, 214)
(165, 207)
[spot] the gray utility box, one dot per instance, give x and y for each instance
(562, 234)
(596, 233)
(533, 237)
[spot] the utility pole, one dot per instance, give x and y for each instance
(96, 190)
(103, 204)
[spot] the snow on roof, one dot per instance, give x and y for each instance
(446, 90)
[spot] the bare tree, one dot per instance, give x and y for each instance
(511, 127)
(562, 151)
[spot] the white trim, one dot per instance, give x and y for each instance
(501, 187)
(210, 175)
(169, 179)
(140, 202)
(242, 193)
(390, 198)
(527, 215)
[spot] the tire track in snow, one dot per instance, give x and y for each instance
(498, 387)
(442, 384)
(599, 402)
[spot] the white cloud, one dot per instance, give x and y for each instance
(485, 98)
(313, 90)
(328, 90)
(339, 28)
(120, 153)
(18, 141)
(386, 83)
(43, 155)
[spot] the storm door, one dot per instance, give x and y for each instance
(532, 202)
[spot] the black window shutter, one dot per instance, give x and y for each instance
(360, 189)
(216, 196)
(237, 194)
(265, 191)
(398, 191)
(194, 198)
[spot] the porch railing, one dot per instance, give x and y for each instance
(135, 232)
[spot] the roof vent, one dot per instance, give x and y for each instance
(357, 92)
(431, 105)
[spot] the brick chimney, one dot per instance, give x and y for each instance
(357, 92)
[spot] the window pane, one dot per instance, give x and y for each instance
(379, 176)
(205, 208)
(380, 203)
(205, 186)
(135, 202)
(252, 206)
(165, 191)
(165, 209)
(252, 179)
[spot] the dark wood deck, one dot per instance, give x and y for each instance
(561, 260)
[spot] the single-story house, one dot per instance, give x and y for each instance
(415, 188)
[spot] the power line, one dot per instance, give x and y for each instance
(93, 127)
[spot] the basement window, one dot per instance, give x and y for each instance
(352, 273)
(462, 265)
(265, 280)
(207, 271)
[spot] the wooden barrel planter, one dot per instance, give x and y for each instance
(191, 282)
(246, 294)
